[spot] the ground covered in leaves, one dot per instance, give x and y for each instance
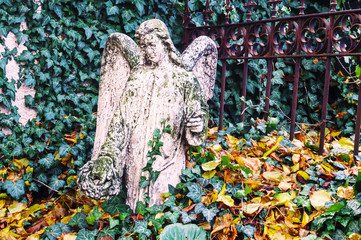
(270, 188)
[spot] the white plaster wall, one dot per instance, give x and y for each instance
(12, 72)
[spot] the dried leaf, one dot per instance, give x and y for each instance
(221, 223)
(319, 199)
(211, 165)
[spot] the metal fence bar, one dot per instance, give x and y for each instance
(326, 87)
(223, 89)
(332, 33)
(294, 98)
(358, 122)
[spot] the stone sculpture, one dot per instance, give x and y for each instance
(140, 86)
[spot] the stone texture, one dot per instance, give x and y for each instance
(159, 86)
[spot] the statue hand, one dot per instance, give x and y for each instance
(102, 170)
(196, 123)
(98, 179)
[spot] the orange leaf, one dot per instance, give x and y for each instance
(221, 223)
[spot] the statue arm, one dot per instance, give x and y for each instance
(101, 178)
(197, 115)
(115, 146)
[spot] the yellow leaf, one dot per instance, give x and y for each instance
(210, 198)
(208, 166)
(2, 212)
(223, 191)
(354, 236)
(305, 219)
(68, 180)
(274, 148)
(335, 134)
(2, 203)
(275, 176)
(3, 171)
(327, 167)
(33, 237)
(65, 219)
(345, 192)
(233, 142)
(252, 208)
(16, 207)
(69, 236)
(346, 143)
(20, 163)
(295, 168)
(304, 175)
(283, 198)
(29, 169)
(296, 158)
(319, 199)
(284, 186)
(57, 156)
(286, 169)
(81, 135)
(209, 174)
(36, 207)
(217, 147)
(225, 199)
(159, 215)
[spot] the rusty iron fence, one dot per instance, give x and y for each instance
(326, 35)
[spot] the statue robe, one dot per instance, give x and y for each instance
(150, 96)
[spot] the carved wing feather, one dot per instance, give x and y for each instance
(201, 58)
(120, 56)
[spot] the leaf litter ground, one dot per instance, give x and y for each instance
(235, 189)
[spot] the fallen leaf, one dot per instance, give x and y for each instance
(319, 199)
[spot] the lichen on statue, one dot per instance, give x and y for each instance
(158, 87)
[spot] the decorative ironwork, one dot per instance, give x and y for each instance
(329, 34)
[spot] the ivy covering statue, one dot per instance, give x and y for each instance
(139, 87)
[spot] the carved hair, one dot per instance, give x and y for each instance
(160, 30)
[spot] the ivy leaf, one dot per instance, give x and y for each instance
(56, 183)
(248, 230)
(78, 220)
(187, 218)
(88, 32)
(18, 150)
(16, 190)
(111, 10)
(30, 80)
(26, 56)
(195, 192)
(115, 205)
(63, 150)
(84, 234)
(140, 6)
(50, 115)
(143, 182)
(47, 161)
(93, 216)
(210, 212)
(141, 228)
(173, 217)
(58, 11)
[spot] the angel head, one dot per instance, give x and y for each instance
(156, 44)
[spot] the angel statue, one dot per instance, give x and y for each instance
(139, 87)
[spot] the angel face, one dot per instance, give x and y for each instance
(153, 50)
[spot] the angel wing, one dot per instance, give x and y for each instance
(120, 56)
(200, 57)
